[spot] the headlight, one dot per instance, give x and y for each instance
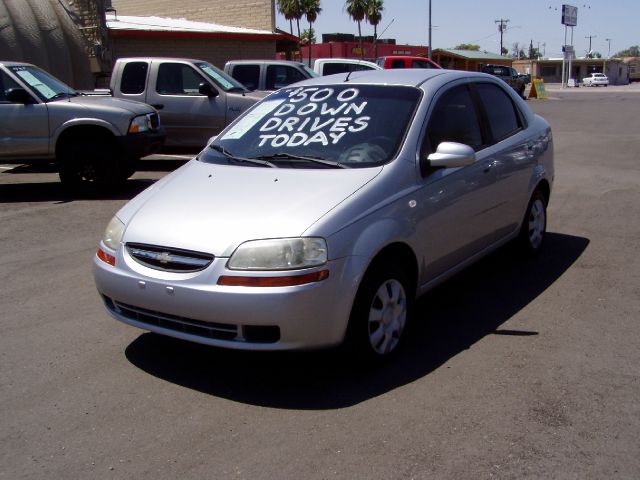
(113, 233)
(141, 123)
(280, 254)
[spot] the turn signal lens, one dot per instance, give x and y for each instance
(106, 258)
(287, 281)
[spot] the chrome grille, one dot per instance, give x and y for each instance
(169, 259)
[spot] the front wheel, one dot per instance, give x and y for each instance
(380, 313)
(534, 224)
(90, 164)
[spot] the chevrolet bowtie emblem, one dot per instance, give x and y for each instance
(164, 257)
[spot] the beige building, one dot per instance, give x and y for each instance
(550, 70)
(255, 14)
(469, 60)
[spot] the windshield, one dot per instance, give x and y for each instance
(44, 85)
(310, 72)
(320, 127)
(224, 81)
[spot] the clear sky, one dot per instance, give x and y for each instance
(473, 21)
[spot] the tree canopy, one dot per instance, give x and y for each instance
(467, 46)
(629, 52)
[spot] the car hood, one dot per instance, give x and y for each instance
(105, 103)
(213, 208)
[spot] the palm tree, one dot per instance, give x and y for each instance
(357, 10)
(287, 9)
(374, 15)
(311, 8)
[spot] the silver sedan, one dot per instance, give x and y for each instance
(318, 217)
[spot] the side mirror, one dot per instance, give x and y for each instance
(18, 95)
(206, 89)
(451, 155)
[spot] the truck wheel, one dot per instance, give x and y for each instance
(89, 163)
(380, 314)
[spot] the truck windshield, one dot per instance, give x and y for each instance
(326, 126)
(310, 72)
(224, 81)
(44, 85)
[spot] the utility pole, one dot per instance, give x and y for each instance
(430, 30)
(501, 28)
(590, 37)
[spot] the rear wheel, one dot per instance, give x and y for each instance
(380, 313)
(534, 224)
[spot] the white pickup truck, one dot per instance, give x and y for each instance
(195, 99)
(95, 140)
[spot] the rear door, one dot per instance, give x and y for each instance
(188, 117)
(512, 151)
(458, 205)
(24, 129)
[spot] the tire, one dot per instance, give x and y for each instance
(534, 224)
(380, 314)
(91, 165)
(521, 93)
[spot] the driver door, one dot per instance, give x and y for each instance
(24, 129)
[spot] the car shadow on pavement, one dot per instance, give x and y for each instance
(54, 191)
(449, 320)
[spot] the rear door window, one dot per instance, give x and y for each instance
(134, 78)
(502, 116)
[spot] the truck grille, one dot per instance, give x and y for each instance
(169, 259)
(154, 119)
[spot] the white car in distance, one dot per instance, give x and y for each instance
(595, 80)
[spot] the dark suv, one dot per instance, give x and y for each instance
(509, 75)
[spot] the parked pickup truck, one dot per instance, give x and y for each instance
(95, 140)
(509, 75)
(406, 61)
(195, 99)
(268, 75)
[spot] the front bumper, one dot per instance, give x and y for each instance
(138, 145)
(191, 306)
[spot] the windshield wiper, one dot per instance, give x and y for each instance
(64, 94)
(288, 156)
(255, 161)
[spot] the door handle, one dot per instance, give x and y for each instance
(158, 106)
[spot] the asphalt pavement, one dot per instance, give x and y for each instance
(514, 370)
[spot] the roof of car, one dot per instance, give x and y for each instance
(412, 77)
